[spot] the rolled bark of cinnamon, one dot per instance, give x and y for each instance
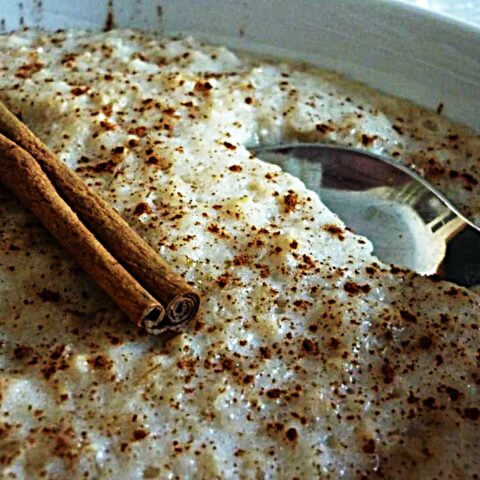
(180, 300)
(21, 174)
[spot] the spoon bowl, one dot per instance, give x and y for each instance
(409, 222)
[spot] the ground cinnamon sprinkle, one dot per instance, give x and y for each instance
(291, 201)
(310, 358)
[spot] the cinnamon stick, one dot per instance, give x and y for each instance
(180, 299)
(20, 173)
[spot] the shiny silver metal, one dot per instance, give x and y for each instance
(409, 222)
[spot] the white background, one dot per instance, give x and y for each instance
(467, 10)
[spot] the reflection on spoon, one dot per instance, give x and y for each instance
(397, 232)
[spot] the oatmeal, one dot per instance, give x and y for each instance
(308, 359)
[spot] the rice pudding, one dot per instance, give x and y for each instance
(308, 359)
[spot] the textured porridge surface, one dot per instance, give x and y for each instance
(308, 359)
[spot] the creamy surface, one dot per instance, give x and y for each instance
(308, 359)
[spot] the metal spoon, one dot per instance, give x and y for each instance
(409, 222)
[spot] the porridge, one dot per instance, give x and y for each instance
(308, 359)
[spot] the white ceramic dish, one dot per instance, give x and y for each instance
(396, 47)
